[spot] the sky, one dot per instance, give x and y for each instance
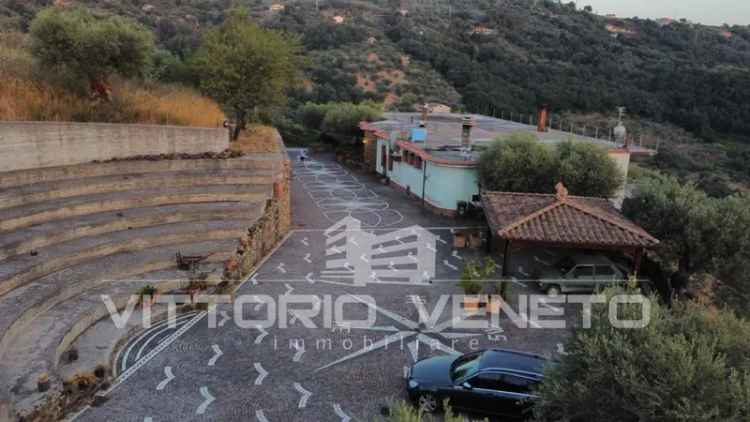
(710, 12)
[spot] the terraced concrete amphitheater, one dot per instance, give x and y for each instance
(72, 230)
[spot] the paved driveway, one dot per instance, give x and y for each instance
(359, 249)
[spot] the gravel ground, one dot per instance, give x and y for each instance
(343, 372)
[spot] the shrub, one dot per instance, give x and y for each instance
(475, 273)
(91, 47)
(688, 364)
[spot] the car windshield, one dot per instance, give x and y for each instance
(465, 366)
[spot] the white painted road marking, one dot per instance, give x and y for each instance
(209, 399)
(309, 278)
(216, 356)
(262, 373)
(289, 289)
(260, 416)
(305, 395)
(449, 265)
(340, 413)
(262, 335)
(169, 377)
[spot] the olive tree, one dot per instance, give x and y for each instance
(587, 170)
(518, 163)
(90, 47)
(246, 68)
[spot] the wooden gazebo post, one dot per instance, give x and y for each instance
(506, 257)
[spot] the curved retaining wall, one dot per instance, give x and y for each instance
(28, 145)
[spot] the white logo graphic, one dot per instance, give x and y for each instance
(357, 257)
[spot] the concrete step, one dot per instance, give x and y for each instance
(97, 344)
(53, 332)
(45, 191)
(22, 269)
(18, 217)
(48, 174)
(27, 239)
(21, 307)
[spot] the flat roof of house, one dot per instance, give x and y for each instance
(444, 129)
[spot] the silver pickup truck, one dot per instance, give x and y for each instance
(585, 273)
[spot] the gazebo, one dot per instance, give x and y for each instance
(562, 221)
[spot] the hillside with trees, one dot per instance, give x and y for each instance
(497, 54)
(491, 57)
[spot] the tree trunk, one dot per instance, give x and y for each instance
(239, 125)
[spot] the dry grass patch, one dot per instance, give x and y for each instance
(257, 139)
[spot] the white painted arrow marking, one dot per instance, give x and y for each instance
(260, 416)
(305, 395)
(209, 399)
(224, 318)
(440, 239)
(216, 356)
(456, 255)
(340, 413)
(307, 259)
(309, 278)
(281, 268)
(169, 377)
(353, 241)
(263, 334)
(305, 242)
(254, 280)
(449, 265)
(262, 373)
(392, 266)
(561, 349)
(289, 289)
(364, 258)
(521, 270)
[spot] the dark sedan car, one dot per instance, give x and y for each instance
(497, 382)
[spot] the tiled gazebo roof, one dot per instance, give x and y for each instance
(561, 219)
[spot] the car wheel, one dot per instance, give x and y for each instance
(553, 290)
(428, 403)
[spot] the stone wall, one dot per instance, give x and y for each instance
(28, 145)
(265, 234)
